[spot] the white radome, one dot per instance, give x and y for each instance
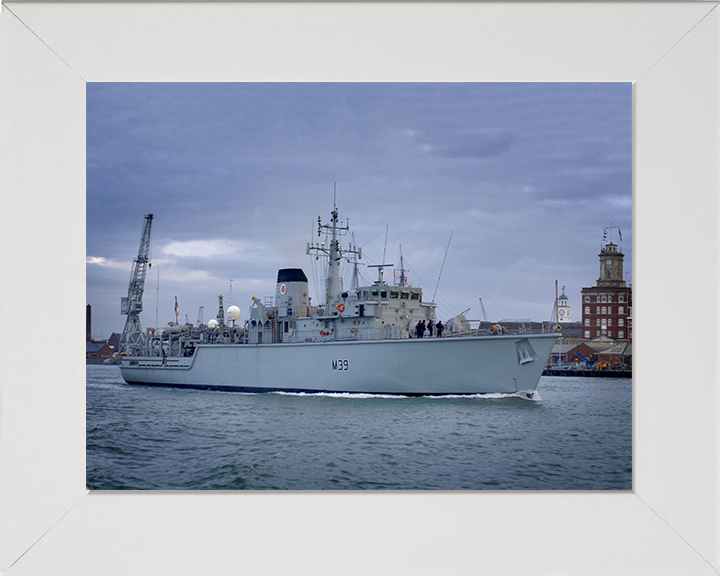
(212, 324)
(233, 313)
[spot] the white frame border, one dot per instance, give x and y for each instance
(669, 524)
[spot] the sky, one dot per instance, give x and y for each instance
(492, 191)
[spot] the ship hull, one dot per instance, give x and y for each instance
(506, 364)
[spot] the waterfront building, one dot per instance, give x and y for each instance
(607, 306)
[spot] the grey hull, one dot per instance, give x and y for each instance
(504, 364)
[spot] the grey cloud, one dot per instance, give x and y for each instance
(466, 142)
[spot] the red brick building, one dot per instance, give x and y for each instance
(607, 306)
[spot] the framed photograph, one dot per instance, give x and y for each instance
(667, 524)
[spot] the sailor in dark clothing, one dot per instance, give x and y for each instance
(430, 328)
(421, 328)
(439, 329)
(417, 330)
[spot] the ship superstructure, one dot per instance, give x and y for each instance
(369, 338)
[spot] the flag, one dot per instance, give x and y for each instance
(620, 233)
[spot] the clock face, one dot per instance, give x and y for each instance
(562, 312)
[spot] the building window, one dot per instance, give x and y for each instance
(604, 298)
(598, 299)
(621, 298)
(597, 310)
(621, 322)
(621, 334)
(587, 298)
(610, 298)
(597, 333)
(609, 321)
(621, 309)
(609, 309)
(587, 333)
(597, 322)
(604, 310)
(604, 323)
(587, 321)
(587, 309)
(610, 333)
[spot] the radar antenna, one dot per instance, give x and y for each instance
(132, 340)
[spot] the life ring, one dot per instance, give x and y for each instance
(340, 307)
(150, 331)
(404, 304)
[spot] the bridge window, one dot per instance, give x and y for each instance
(383, 295)
(403, 295)
(414, 296)
(393, 295)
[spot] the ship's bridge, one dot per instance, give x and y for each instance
(393, 294)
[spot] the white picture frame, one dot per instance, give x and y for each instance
(668, 524)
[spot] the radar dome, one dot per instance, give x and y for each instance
(233, 313)
(212, 324)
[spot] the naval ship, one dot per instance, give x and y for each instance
(361, 340)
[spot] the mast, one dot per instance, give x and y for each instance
(333, 288)
(402, 281)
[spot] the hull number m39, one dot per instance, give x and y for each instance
(340, 365)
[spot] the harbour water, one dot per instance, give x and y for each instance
(575, 435)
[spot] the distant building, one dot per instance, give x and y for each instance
(607, 306)
(114, 341)
(563, 309)
(96, 352)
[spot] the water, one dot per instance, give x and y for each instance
(577, 435)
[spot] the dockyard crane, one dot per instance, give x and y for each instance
(482, 308)
(133, 339)
(221, 311)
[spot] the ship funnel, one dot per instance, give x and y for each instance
(291, 290)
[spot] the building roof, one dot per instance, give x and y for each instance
(93, 347)
(607, 288)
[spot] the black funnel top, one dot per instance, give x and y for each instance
(291, 275)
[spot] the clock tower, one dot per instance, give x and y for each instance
(611, 266)
(563, 309)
